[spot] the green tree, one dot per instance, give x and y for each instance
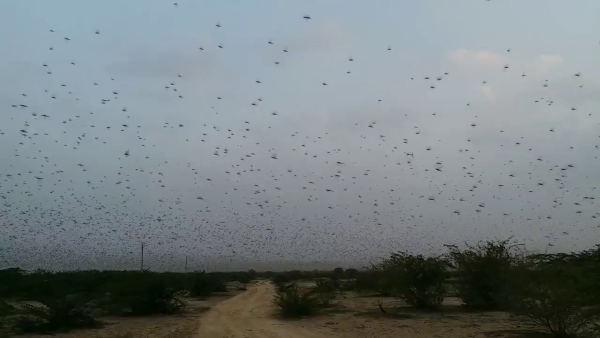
(482, 271)
(416, 279)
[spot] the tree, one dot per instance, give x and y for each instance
(338, 272)
(555, 293)
(417, 280)
(351, 273)
(482, 272)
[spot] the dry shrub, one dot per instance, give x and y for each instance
(417, 280)
(324, 290)
(293, 302)
(482, 271)
(559, 296)
(56, 315)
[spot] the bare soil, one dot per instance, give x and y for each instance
(250, 314)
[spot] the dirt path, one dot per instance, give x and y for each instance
(248, 315)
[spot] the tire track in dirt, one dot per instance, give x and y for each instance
(248, 315)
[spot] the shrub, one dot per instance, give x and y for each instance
(482, 273)
(292, 302)
(55, 315)
(415, 279)
(324, 291)
(280, 279)
(555, 295)
(151, 297)
(5, 309)
(338, 273)
(218, 286)
(351, 273)
(371, 281)
(244, 277)
(205, 285)
(11, 278)
(294, 275)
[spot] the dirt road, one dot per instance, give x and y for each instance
(248, 315)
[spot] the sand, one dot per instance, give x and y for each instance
(250, 314)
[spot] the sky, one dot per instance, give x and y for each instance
(294, 134)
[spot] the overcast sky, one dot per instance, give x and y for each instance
(243, 135)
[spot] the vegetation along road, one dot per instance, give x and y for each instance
(250, 315)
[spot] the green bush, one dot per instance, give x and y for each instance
(482, 273)
(417, 280)
(205, 285)
(351, 273)
(11, 278)
(280, 279)
(56, 315)
(556, 295)
(293, 302)
(324, 290)
(148, 298)
(371, 281)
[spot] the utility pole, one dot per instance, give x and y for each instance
(142, 263)
(185, 263)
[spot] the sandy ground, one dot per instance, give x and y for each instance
(251, 315)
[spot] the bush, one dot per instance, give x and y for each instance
(6, 309)
(55, 315)
(218, 286)
(205, 285)
(292, 302)
(280, 279)
(11, 278)
(417, 280)
(351, 273)
(371, 281)
(556, 295)
(324, 291)
(151, 297)
(482, 273)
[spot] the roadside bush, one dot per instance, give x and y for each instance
(482, 273)
(218, 286)
(152, 297)
(56, 315)
(280, 279)
(293, 302)
(244, 277)
(324, 290)
(417, 280)
(557, 296)
(205, 285)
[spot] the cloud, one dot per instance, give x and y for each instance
(548, 62)
(482, 58)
